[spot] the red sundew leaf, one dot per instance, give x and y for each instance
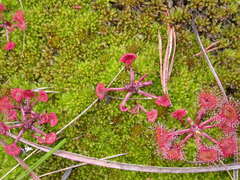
(19, 18)
(12, 114)
(229, 112)
(50, 138)
(12, 149)
(43, 119)
(53, 120)
(227, 127)
(101, 91)
(21, 26)
(3, 128)
(152, 115)
(9, 46)
(128, 58)
(163, 138)
(42, 96)
(40, 140)
(174, 153)
(5, 104)
(207, 100)
(28, 94)
(163, 101)
(17, 94)
(2, 7)
(228, 146)
(123, 108)
(208, 155)
(179, 114)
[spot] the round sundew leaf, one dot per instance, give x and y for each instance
(2, 7)
(128, 58)
(5, 104)
(28, 94)
(50, 138)
(152, 115)
(228, 146)
(43, 119)
(207, 100)
(3, 128)
(41, 140)
(163, 101)
(12, 149)
(9, 46)
(229, 112)
(174, 153)
(163, 138)
(12, 114)
(19, 18)
(17, 94)
(53, 120)
(101, 91)
(179, 114)
(208, 155)
(42, 96)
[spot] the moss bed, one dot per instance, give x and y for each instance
(71, 50)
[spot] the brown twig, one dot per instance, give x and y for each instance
(208, 61)
(210, 48)
(130, 167)
(235, 172)
(79, 165)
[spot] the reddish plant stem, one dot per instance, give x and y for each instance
(183, 142)
(209, 137)
(19, 135)
(146, 94)
(38, 131)
(124, 101)
(214, 118)
(143, 77)
(147, 83)
(132, 76)
(15, 126)
(116, 89)
(200, 115)
(210, 126)
(198, 140)
(181, 132)
(142, 108)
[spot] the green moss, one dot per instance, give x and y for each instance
(72, 50)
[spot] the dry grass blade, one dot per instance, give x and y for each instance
(208, 61)
(16, 166)
(227, 170)
(130, 167)
(81, 164)
(210, 48)
(160, 56)
(174, 51)
(235, 173)
(166, 61)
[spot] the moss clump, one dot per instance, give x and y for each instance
(72, 50)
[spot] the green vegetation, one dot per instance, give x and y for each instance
(72, 50)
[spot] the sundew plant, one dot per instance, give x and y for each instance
(119, 89)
